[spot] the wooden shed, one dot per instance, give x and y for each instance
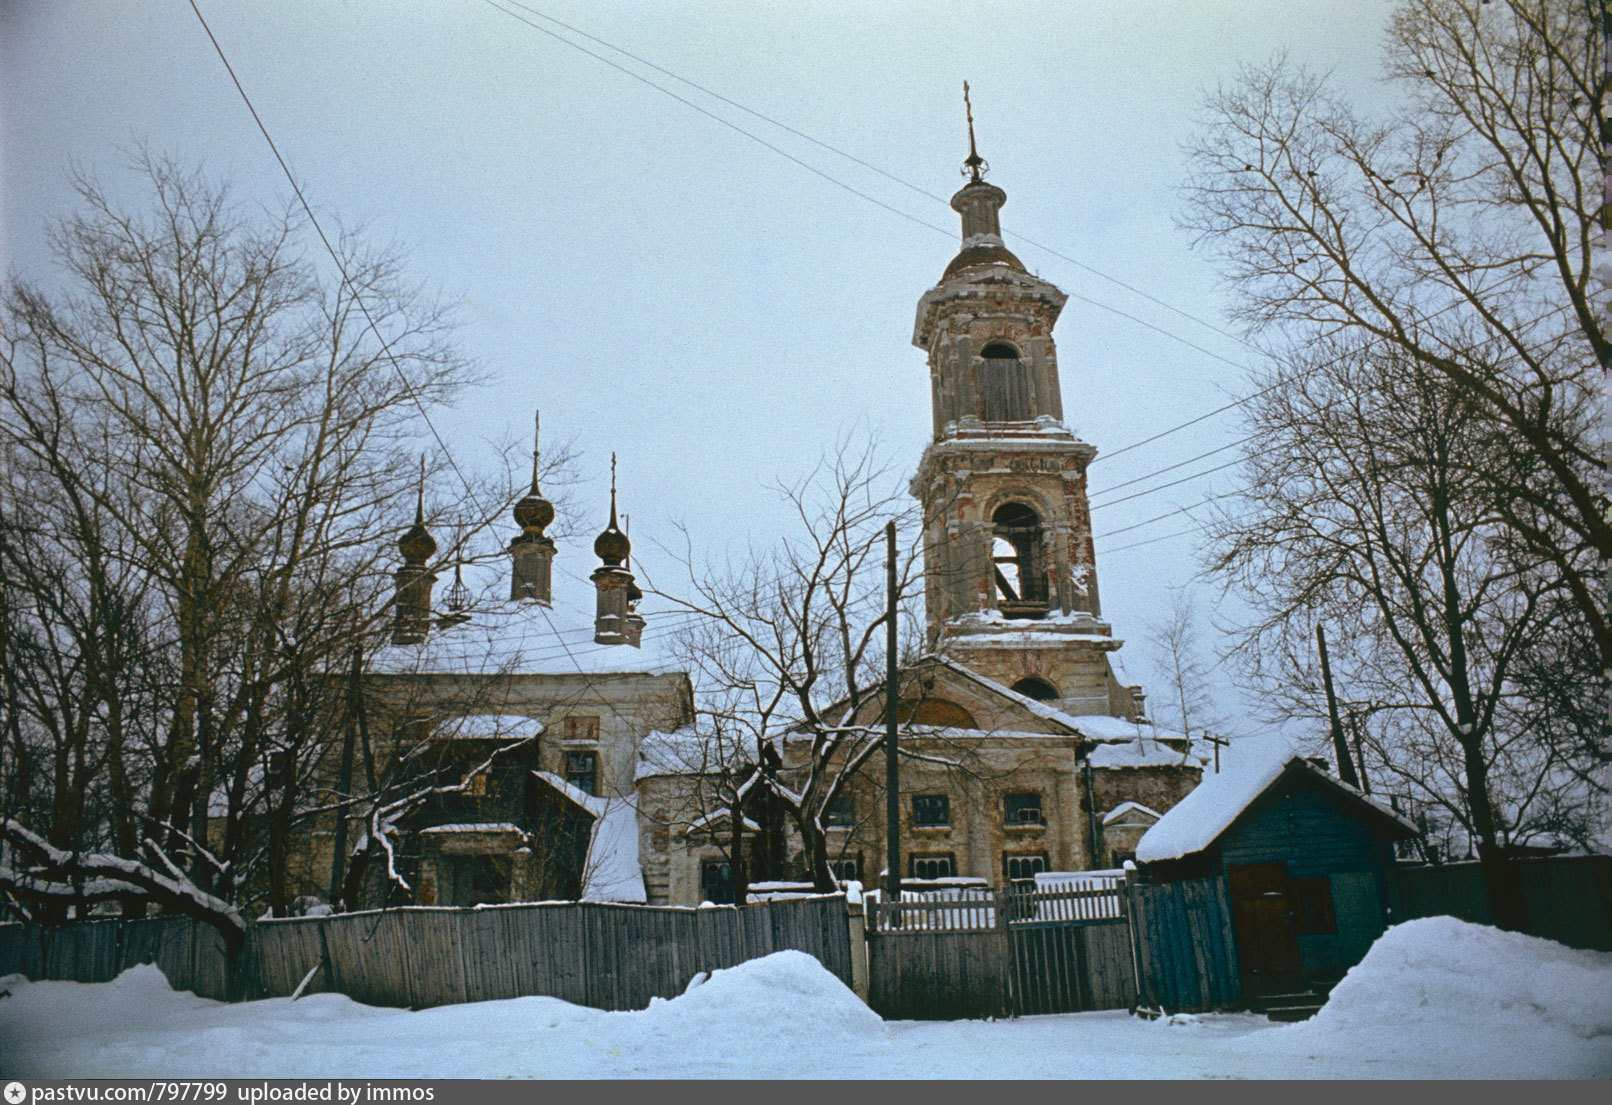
(1308, 863)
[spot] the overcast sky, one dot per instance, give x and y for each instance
(665, 287)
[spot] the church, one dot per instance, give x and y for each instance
(553, 754)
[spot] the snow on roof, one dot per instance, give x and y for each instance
(1124, 808)
(687, 751)
(476, 827)
(1195, 822)
(612, 872)
(508, 637)
(593, 805)
(1144, 752)
(487, 727)
(718, 817)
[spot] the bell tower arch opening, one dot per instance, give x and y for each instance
(1018, 559)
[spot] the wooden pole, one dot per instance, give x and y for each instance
(1340, 749)
(892, 790)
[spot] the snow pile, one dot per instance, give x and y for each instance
(1488, 1003)
(786, 1001)
(1434, 999)
(1443, 970)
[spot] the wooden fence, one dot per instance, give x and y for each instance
(985, 953)
(1185, 951)
(605, 956)
(1565, 898)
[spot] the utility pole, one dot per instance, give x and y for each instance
(1218, 743)
(892, 790)
(1340, 749)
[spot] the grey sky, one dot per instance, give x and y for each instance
(666, 288)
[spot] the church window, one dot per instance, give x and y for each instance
(1036, 688)
(1017, 557)
(1004, 384)
(942, 866)
(582, 729)
(841, 813)
(1021, 868)
(1022, 809)
(582, 771)
(931, 809)
(716, 881)
(847, 868)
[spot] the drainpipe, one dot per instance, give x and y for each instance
(1091, 819)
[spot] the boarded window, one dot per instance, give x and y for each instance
(477, 880)
(936, 711)
(931, 809)
(1004, 384)
(932, 866)
(1038, 689)
(582, 729)
(1022, 809)
(1312, 905)
(582, 771)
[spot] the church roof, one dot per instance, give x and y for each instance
(982, 253)
(505, 637)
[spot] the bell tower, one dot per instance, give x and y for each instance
(1010, 584)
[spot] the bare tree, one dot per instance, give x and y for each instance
(1370, 504)
(791, 645)
(1179, 662)
(209, 445)
(1456, 235)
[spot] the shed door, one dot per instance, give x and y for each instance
(1262, 916)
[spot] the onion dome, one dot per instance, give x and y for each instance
(417, 545)
(534, 512)
(612, 545)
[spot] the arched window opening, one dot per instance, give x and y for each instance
(1036, 688)
(1004, 384)
(1017, 559)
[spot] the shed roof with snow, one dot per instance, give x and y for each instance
(1236, 800)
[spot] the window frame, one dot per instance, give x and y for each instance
(1011, 822)
(945, 807)
(1311, 899)
(915, 858)
(840, 813)
(571, 775)
(1009, 858)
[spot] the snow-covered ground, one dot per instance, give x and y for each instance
(1435, 998)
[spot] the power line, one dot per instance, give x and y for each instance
(924, 192)
(1173, 483)
(1173, 467)
(386, 347)
(819, 172)
(358, 299)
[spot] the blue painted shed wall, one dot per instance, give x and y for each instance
(1314, 831)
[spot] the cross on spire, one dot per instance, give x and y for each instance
(537, 426)
(975, 166)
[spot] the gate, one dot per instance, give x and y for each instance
(949, 954)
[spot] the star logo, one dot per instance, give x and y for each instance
(15, 1092)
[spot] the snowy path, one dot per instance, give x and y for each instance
(1434, 999)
